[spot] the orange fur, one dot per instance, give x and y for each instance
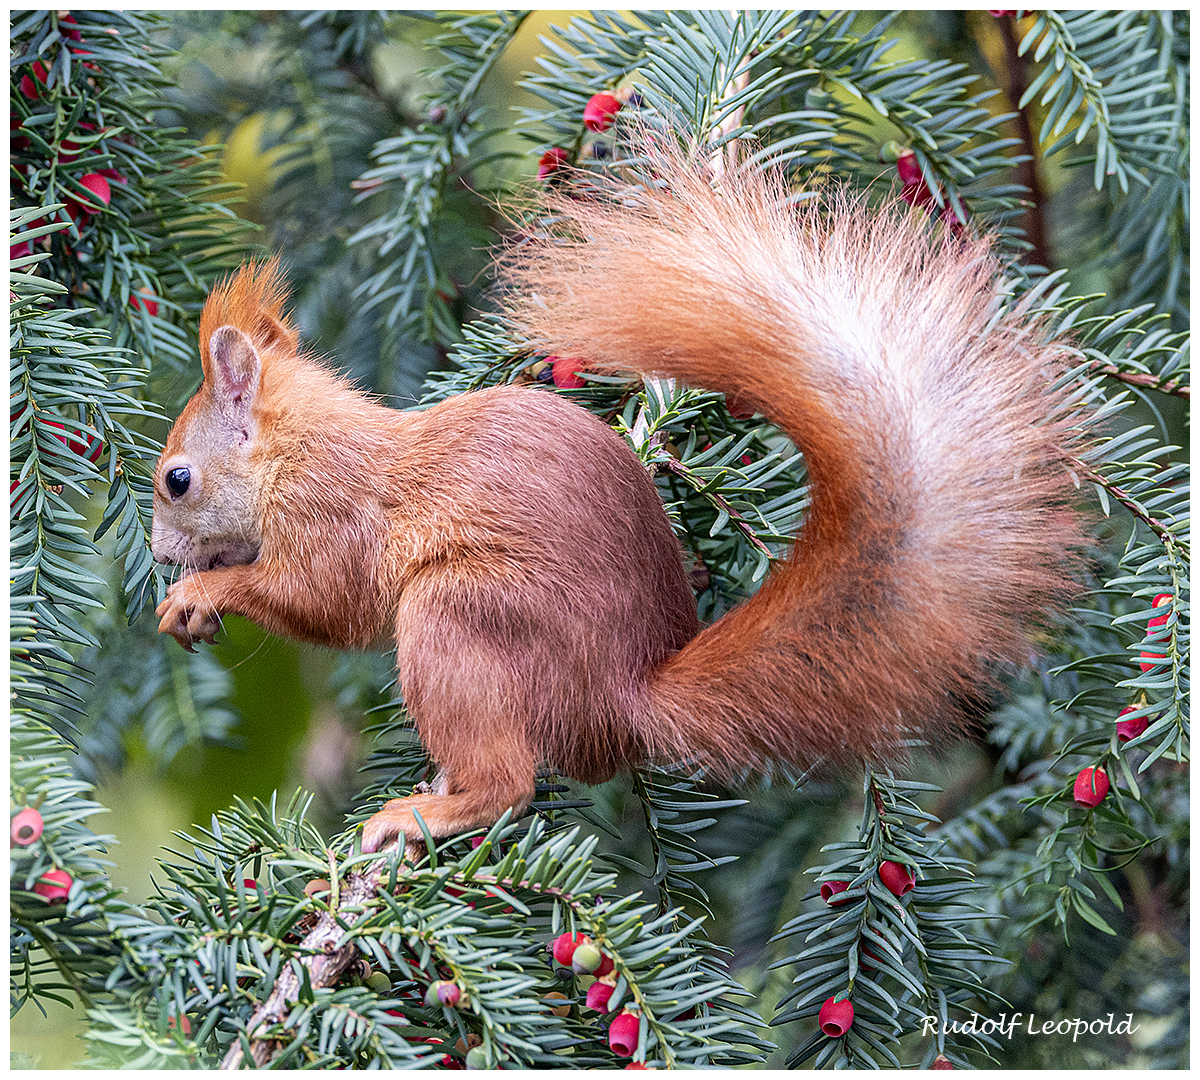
(520, 555)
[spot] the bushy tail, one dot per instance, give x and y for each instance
(941, 531)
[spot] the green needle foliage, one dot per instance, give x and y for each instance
(1062, 134)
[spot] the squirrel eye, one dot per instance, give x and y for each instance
(178, 481)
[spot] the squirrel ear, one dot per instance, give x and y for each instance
(233, 366)
(271, 333)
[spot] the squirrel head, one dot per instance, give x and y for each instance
(208, 481)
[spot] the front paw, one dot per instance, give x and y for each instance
(186, 613)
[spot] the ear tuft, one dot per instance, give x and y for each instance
(235, 366)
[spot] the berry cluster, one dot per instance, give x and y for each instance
(1092, 783)
(577, 954)
(26, 829)
(44, 156)
(598, 115)
(837, 1014)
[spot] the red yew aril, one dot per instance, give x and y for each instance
(91, 450)
(30, 88)
(53, 886)
(564, 372)
(1130, 729)
(98, 186)
(143, 300)
(598, 995)
(1150, 659)
(565, 946)
(600, 110)
(738, 408)
(830, 890)
(835, 1017)
(941, 1062)
(101, 192)
(26, 826)
(1091, 785)
(897, 878)
(623, 1034)
(915, 190)
(551, 161)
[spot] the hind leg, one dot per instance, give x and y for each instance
(477, 793)
(467, 699)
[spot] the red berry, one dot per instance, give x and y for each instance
(564, 372)
(68, 150)
(623, 1034)
(28, 87)
(915, 190)
(835, 1017)
(1130, 729)
(830, 889)
(53, 886)
(897, 878)
(950, 218)
(1091, 785)
(551, 161)
(606, 965)
(98, 186)
(637, 1065)
(941, 1061)
(996, 15)
(26, 825)
(144, 301)
(19, 251)
(908, 169)
(598, 995)
(565, 945)
(1150, 659)
(1160, 600)
(737, 408)
(598, 113)
(91, 450)
(249, 883)
(185, 1025)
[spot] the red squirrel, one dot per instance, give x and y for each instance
(519, 553)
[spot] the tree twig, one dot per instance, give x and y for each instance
(1150, 382)
(1124, 498)
(325, 961)
(1015, 85)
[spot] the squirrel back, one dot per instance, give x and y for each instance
(933, 425)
